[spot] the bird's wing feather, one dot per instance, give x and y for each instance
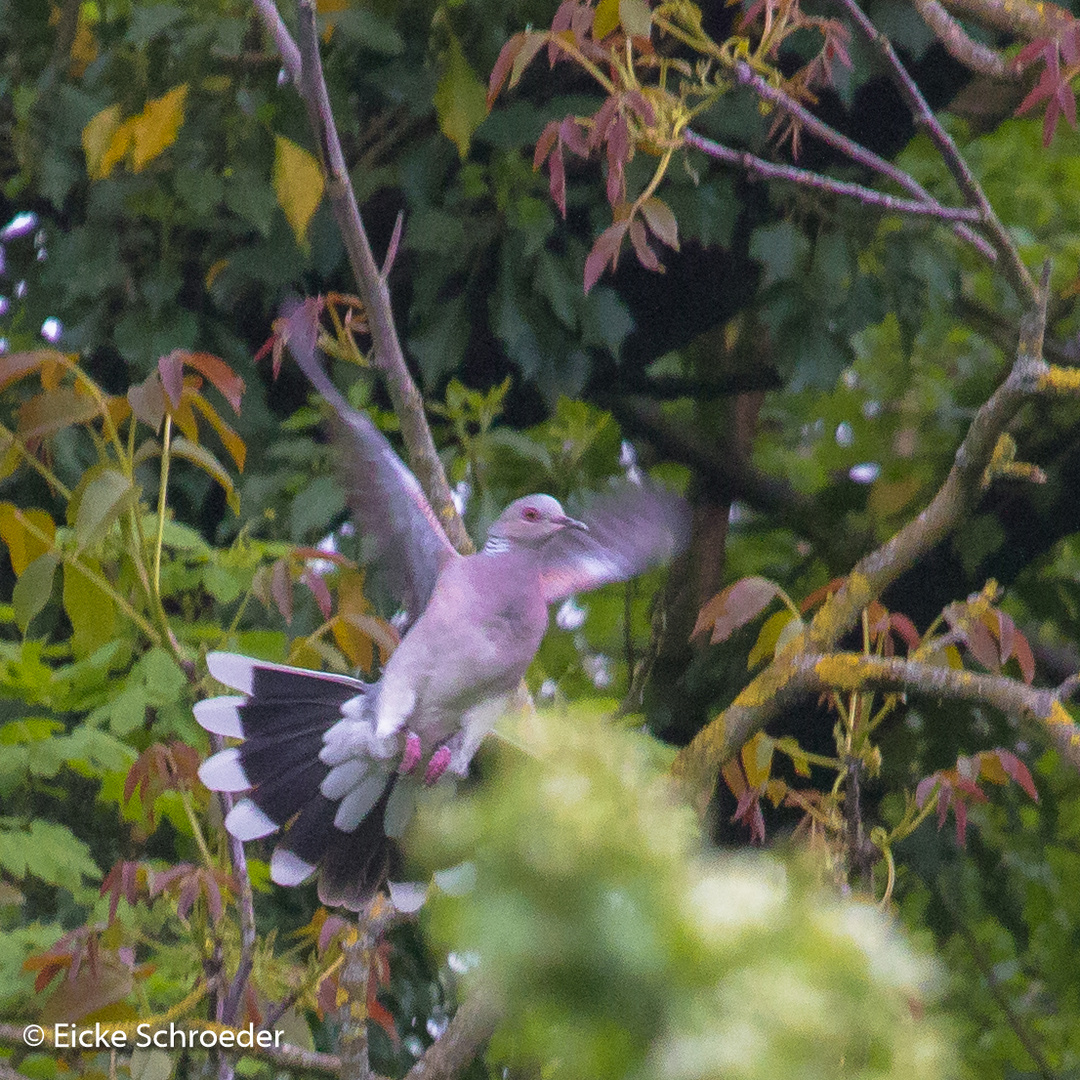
(631, 528)
(387, 500)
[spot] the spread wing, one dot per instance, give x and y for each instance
(389, 505)
(631, 528)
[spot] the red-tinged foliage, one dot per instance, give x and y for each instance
(990, 636)
(162, 767)
(959, 788)
(281, 588)
(604, 252)
(734, 607)
(126, 880)
(188, 883)
(1054, 85)
(318, 588)
(379, 975)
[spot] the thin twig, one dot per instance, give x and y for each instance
(767, 170)
(303, 65)
(857, 152)
(1013, 266)
(971, 54)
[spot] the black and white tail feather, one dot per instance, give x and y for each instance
(312, 770)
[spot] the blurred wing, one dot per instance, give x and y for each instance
(387, 500)
(631, 528)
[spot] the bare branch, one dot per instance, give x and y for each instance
(1028, 20)
(958, 45)
(304, 66)
(857, 152)
(767, 170)
(1012, 265)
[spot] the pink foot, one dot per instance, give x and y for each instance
(410, 758)
(437, 765)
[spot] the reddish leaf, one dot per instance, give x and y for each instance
(1006, 634)
(557, 179)
(335, 557)
(645, 254)
(281, 589)
(602, 121)
(545, 143)
(501, 71)
(1024, 657)
(906, 629)
(604, 250)
(1018, 771)
(734, 607)
(219, 374)
(526, 54)
(319, 590)
(572, 136)
(981, 645)
(171, 370)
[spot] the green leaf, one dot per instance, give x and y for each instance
(91, 611)
(100, 503)
(460, 99)
(199, 455)
(47, 851)
(33, 589)
(782, 249)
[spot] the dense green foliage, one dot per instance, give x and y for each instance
(171, 175)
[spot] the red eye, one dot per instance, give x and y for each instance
(530, 513)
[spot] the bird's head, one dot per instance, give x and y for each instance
(530, 521)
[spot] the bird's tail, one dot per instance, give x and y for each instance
(312, 770)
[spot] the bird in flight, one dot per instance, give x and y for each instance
(333, 765)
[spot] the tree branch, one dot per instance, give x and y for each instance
(303, 65)
(767, 170)
(1012, 265)
(858, 153)
(465, 1035)
(958, 45)
(789, 677)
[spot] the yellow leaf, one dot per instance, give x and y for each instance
(298, 185)
(765, 645)
(757, 757)
(119, 148)
(606, 20)
(19, 529)
(84, 49)
(460, 99)
(157, 125)
(97, 137)
(233, 443)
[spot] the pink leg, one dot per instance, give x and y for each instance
(410, 758)
(437, 765)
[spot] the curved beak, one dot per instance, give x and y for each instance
(570, 523)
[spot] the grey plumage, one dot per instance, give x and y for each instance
(336, 764)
